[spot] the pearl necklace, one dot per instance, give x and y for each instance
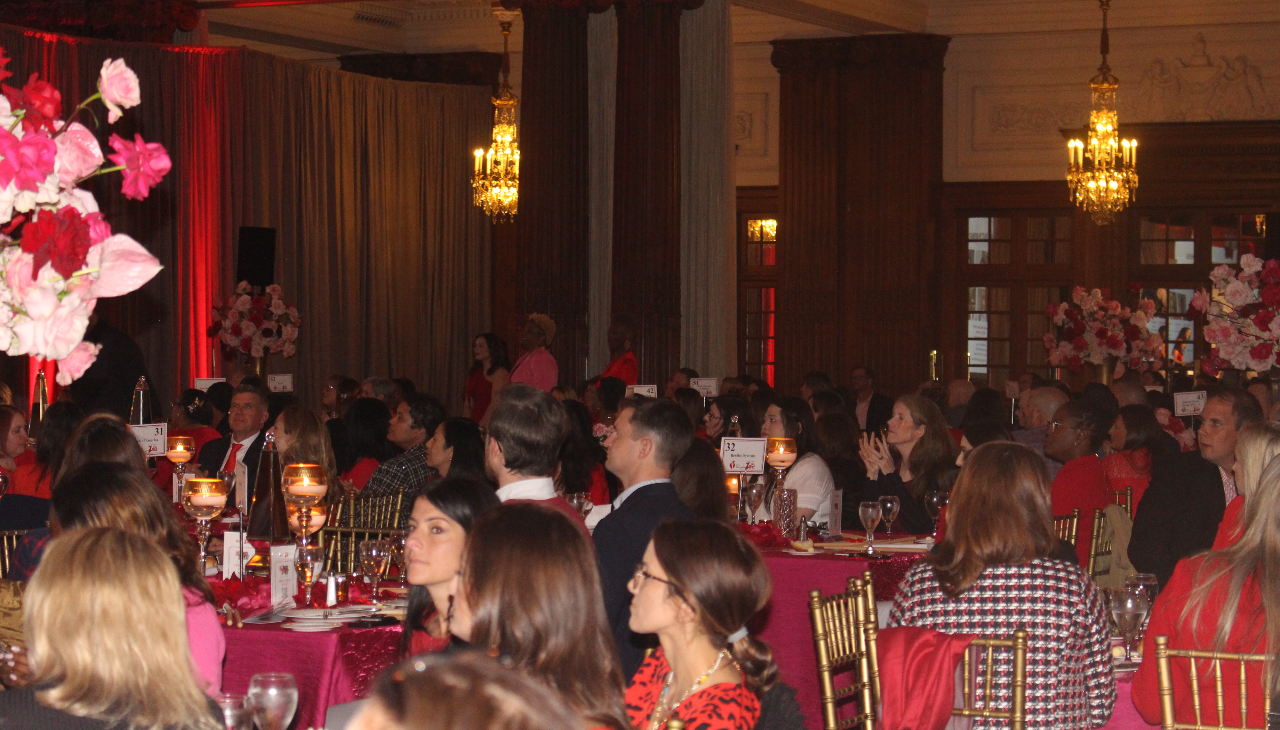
(662, 710)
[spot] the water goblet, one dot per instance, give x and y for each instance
(309, 562)
(889, 511)
(869, 513)
(1149, 584)
(373, 561)
(236, 712)
(577, 501)
(1129, 608)
(204, 499)
(396, 544)
(755, 498)
(933, 503)
(273, 699)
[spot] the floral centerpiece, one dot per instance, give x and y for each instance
(1241, 322)
(256, 324)
(1092, 328)
(58, 254)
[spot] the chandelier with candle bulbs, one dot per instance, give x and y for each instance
(1102, 172)
(496, 181)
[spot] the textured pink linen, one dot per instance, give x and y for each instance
(208, 645)
(1125, 716)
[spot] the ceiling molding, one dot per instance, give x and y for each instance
(283, 39)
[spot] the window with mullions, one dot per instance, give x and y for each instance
(1167, 239)
(1171, 322)
(990, 240)
(1039, 324)
(988, 334)
(762, 236)
(1049, 239)
(759, 310)
(1233, 236)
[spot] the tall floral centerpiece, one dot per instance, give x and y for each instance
(254, 325)
(1242, 315)
(1097, 330)
(58, 254)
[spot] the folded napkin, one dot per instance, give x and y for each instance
(917, 677)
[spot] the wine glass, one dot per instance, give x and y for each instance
(869, 513)
(273, 699)
(933, 503)
(293, 512)
(304, 485)
(755, 498)
(889, 511)
(236, 712)
(1129, 608)
(1147, 583)
(580, 501)
(396, 544)
(203, 499)
(309, 562)
(373, 560)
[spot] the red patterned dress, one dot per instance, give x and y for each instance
(721, 706)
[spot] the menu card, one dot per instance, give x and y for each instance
(284, 581)
(231, 547)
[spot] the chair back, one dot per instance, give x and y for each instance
(1100, 549)
(355, 519)
(1124, 498)
(8, 542)
(1168, 704)
(1017, 712)
(1065, 527)
(842, 646)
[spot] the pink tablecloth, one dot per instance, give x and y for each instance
(330, 667)
(1125, 716)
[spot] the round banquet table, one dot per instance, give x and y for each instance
(330, 667)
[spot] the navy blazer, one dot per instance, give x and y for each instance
(620, 539)
(214, 453)
(1178, 515)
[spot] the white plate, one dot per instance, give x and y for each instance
(396, 603)
(312, 625)
(800, 552)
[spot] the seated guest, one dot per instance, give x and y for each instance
(416, 418)
(1222, 601)
(537, 366)
(1034, 413)
(992, 574)
(815, 381)
(809, 475)
(437, 531)
(734, 386)
(92, 662)
(622, 361)
(610, 391)
(384, 389)
(582, 451)
(301, 438)
(1188, 494)
(871, 409)
(564, 393)
(239, 452)
(191, 415)
(650, 437)
(457, 449)
(526, 429)
(339, 392)
(13, 447)
(697, 588)
(699, 480)
(220, 402)
(826, 401)
(489, 374)
(721, 414)
(924, 449)
(529, 593)
(959, 392)
(1135, 439)
(691, 401)
(60, 420)
(985, 405)
(1100, 396)
(837, 444)
(1257, 445)
(1074, 438)
(465, 692)
(682, 378)
(977, 434)
(1129, 391)
(364, 445)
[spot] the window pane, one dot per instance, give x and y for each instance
(979, 253)
(989, 240)
(979, 229)
(1045, 245)
(770, 257)
(753, 256)
(1167, 239)
(1233, 236)
(1062, 227)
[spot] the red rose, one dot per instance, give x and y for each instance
(246, 344)
(1076, 330)
(1132, 333)
(1257, 352)
(61, 238)
(1271, 295)
(1050, 311)
(256, 318)
(1261, 320)
(1101, 333)
(1270, 273)
(258, 303)
(1074, 362)
(235, 331)
(41, 102)
(1133, 287)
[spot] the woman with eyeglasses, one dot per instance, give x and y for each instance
(720, 416)
(697, 587)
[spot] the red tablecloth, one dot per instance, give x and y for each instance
(1125, 716)
(787, 628)
(330, 667)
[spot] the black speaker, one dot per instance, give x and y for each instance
(256, 258)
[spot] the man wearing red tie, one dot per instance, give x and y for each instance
(247, 417)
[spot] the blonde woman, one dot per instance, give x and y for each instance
(1257, 445)
(94, 665)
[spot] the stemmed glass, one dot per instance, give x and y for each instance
(304, 485)
(373, 560)
(203, 499)
(889, 511)
(396, 544)
(309, 562)
(580, 501)
(869, 513)
(180, 450)
(319, 514)
(933, 503)
(780, 454)
(1147, 583)
(755, 498)
(1129, 608)
(273, 699)
(236, 712)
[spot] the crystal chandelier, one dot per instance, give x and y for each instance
(497, 175)
(1102, 172)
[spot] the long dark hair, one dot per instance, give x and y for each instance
(582, 453)
(797, 423)
(100, 437)
(499, 357)
(461, 500)
(732, 405)
(463, 436)
(531, 581)
(1142, 430)
(60, 421)
(365, 424)
(699, 481)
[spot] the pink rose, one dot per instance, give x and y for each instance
(18, 274)
(144, 163)
(99, 229)
(275, 291)
(26, 162)
(78, 154)
(119, 87)
(123, 266)
(72, 366)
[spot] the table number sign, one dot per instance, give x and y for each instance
(1189, 404)
(280, 383)
(153, 438)
(650, 391)
(284, 584)
(232, 545)
(837, 505)
(204, 383)
(706, 387)
(743, 456)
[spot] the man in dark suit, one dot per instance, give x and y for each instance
(649, 437)
(247, 418)
(873, 410)
(1183, 505)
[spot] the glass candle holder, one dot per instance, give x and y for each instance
(304, 486)
(203, 499)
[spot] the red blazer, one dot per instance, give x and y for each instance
(1081, 484)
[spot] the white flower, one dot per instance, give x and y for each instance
(1238, 293)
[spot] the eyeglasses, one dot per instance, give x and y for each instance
(713, 417)
(1055, 425)
(641, 575)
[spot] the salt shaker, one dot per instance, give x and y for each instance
(331, 591)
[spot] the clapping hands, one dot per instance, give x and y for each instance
(875, 455)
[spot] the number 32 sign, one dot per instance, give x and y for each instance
(743, 456)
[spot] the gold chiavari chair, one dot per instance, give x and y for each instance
(8, 542)
(354, 520)
(1100, 547)
(1164, 668)
(1017, 712)
(1124, 498)
(1066, 527)
(840, 638)
(871, 629)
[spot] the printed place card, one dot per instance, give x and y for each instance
(153, 438)
(232, 546)
(743, 456)
(649, 391)
(1190, 403)
(1011, 390)
(280, 383)
(204, 383)
(284, 582)
(706, 387)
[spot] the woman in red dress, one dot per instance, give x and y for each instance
(1134, 440)
(698, 586)
(60, 421)
(489, 373)
(190, 416)
(360, 443)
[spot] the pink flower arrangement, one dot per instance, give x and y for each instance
(1092, 328)
(58, 255)
(256, 325)
(1241, 322)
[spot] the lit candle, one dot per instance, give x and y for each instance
(516, 169)
(207, 500)
(479, 155)
(1133, 153)
(731, 483)
(308, 488)
(178, 455)
(488, 163)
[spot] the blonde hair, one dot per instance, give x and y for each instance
(80, 614)
(1258, 444)
(309, 443)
